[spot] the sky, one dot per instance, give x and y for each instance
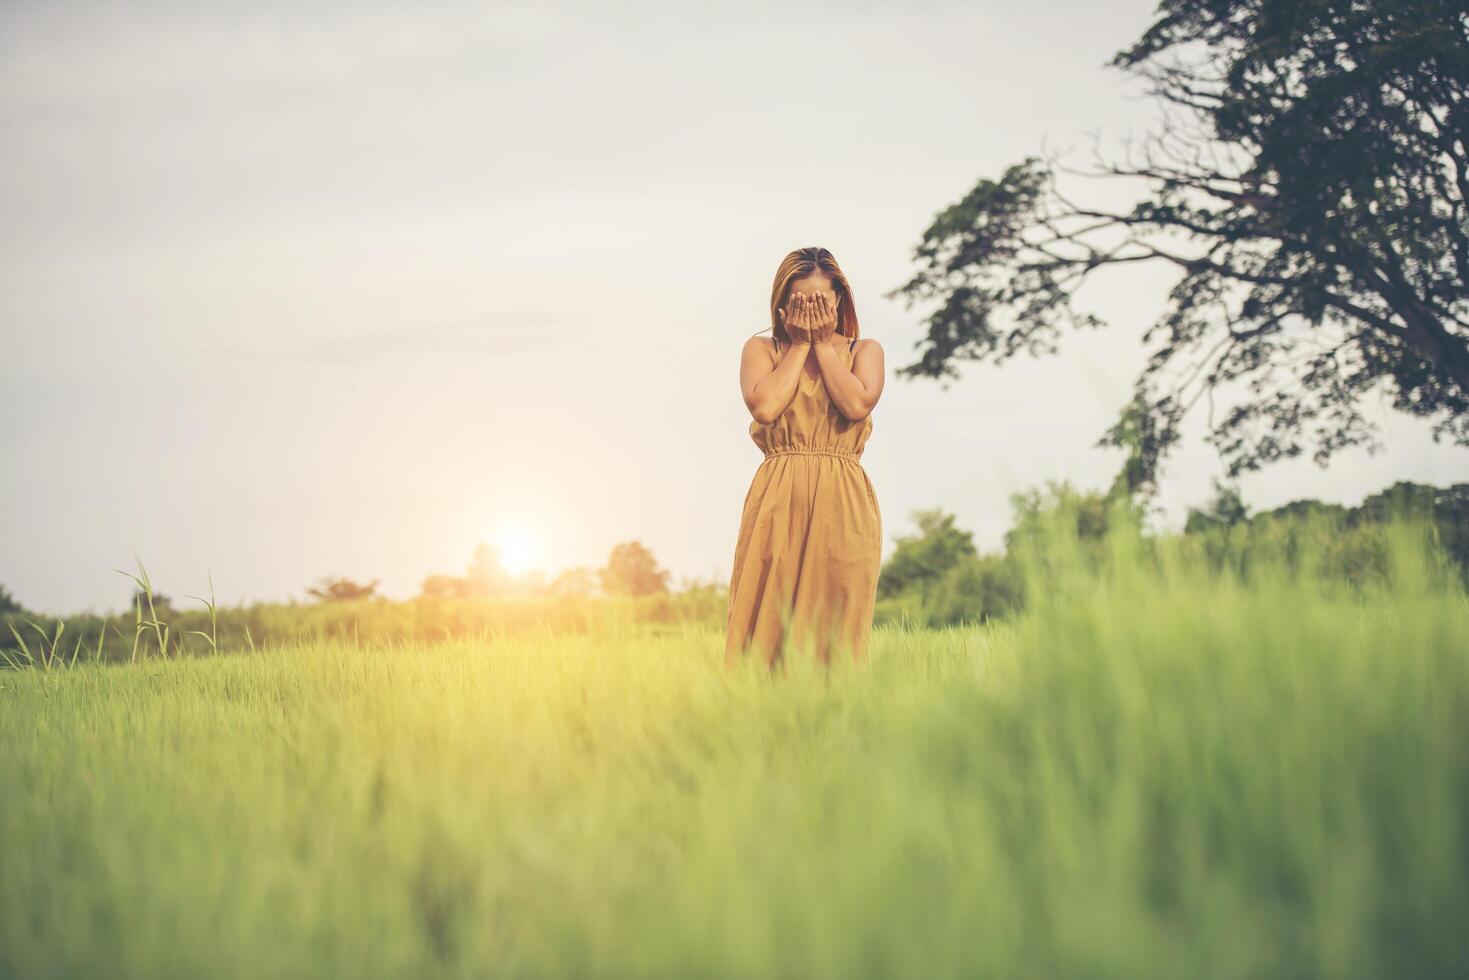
(290, 290)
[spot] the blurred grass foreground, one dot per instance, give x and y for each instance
(1166, 766)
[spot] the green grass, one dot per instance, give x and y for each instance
(1155, 772)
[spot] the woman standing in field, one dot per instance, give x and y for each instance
(810, 541)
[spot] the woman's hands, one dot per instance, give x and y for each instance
(821, 317)
(809, 319)
(792, 317)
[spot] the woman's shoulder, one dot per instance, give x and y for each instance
(763, 340)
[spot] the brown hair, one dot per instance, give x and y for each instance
(800, 264)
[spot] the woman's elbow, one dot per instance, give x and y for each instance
(762, 412)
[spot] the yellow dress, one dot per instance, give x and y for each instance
(810, 541)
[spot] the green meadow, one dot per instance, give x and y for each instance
(1166, 766)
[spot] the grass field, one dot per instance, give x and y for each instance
(1155, 772)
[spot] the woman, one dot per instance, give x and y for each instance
(810, 540)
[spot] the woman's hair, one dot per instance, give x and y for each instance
(800, 264)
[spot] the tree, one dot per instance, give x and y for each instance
(919, 560)
(160, 604)
(1086, 515)
(1308, 183)
(343, 590)
(1448, 507)
(8, 603)
(445, 587)
(487, 575)
(1225, 509)
(578, 581)
(631, 570)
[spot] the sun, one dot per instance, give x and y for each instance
(517, 550)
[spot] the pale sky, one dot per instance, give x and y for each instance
(298, 289)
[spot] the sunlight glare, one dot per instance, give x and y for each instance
(516, 550)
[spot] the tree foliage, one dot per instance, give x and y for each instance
(632, 570)
(8, 603)
(1309, 184)
(343, 590)
(921, 559)
(485, 577)
(1225, 508)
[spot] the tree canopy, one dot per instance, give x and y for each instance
(1308, 182)
(334, 589)
(632, 570)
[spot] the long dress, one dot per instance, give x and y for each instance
(810, 542)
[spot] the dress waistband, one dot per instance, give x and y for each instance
(839, 453)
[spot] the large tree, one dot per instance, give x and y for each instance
(1308, 181)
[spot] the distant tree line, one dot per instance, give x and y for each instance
(935, 576)
(631, 570)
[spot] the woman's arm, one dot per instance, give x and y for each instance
(768, 386)
(855, 392)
